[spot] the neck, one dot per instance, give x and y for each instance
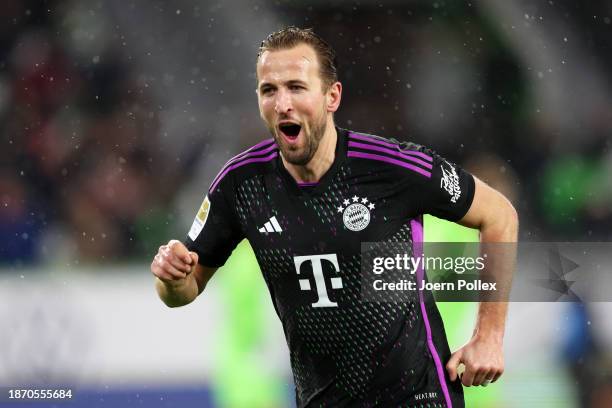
(322, 160)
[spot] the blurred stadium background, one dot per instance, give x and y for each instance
(116, 115)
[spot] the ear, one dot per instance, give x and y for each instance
(334, 95)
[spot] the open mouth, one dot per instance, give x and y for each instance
(290, 130)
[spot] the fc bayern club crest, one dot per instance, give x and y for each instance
(356, 213)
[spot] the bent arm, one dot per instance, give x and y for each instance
(184, 291)
(179, 278)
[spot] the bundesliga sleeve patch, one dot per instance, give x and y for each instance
(200, 219)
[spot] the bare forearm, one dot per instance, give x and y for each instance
(179, 278)
(497, 221)
(177, 293)
(498, 241)
(491, 321)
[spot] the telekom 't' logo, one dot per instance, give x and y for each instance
(317, 271)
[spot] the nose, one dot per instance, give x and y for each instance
(283, 102)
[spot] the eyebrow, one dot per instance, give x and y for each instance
(288, 83)
(296, 82)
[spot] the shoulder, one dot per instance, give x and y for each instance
(254, 160)
(404, 157)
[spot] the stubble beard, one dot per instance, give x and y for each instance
(301, 156)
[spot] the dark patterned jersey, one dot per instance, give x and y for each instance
(344, 350)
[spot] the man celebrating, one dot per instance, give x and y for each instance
(306, 199)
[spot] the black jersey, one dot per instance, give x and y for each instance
(344, 351)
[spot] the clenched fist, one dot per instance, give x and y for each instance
(173, 262)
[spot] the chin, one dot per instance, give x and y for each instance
(297, 158)
(300, 161)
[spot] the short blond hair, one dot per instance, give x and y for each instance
(291, 36)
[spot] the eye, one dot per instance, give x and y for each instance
(296, 87)
(267, 91)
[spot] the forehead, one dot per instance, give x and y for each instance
(299, 62)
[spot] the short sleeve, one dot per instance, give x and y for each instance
(447, 191)
(215, 231)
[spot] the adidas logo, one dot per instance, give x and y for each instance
(271, 226)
